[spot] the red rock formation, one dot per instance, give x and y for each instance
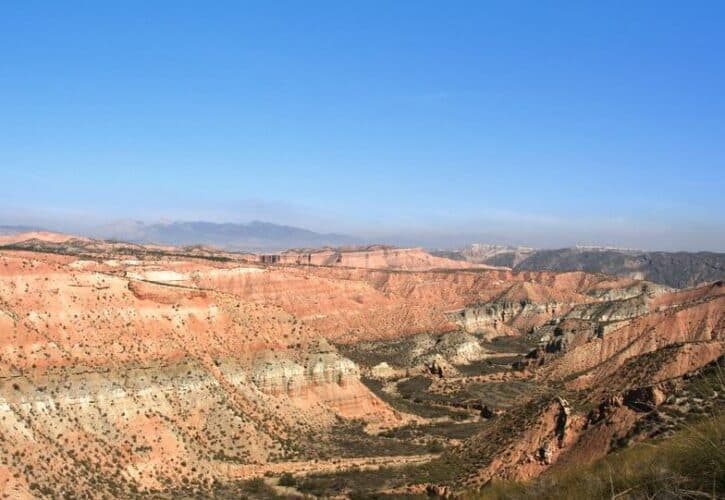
(155, 367)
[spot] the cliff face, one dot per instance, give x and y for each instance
(319, 376)
(525, 306)
(497, 318)
(273, 374)
(611, 310)
(701, 321)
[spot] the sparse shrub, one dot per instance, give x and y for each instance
(435, 447)
(255, 485)
(691, 464)
(287, 479)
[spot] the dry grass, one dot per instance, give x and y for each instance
(691, 464)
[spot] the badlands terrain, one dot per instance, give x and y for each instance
(147, 371)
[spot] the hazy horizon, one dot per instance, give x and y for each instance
(123, 229)
(546, 125)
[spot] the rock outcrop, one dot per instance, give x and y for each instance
(274, 374)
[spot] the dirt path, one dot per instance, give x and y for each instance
(233, 471)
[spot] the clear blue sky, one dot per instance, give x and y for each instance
(547, 123)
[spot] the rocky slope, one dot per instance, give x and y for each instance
(153, 380)
(129, 370)
(616, 380)
(675, 269)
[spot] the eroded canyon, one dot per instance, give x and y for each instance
(149, 371)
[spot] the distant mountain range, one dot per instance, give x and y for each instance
(18, 229)
(255, 235)
(252, 236)
(676, 269)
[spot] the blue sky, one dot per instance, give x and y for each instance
(542, 123)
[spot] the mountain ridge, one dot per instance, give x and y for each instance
(676, 269)
(255, 235)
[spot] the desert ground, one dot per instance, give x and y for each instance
(141, 371)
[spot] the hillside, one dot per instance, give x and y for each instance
(689, 464)
(675, 269)
(147, 371)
